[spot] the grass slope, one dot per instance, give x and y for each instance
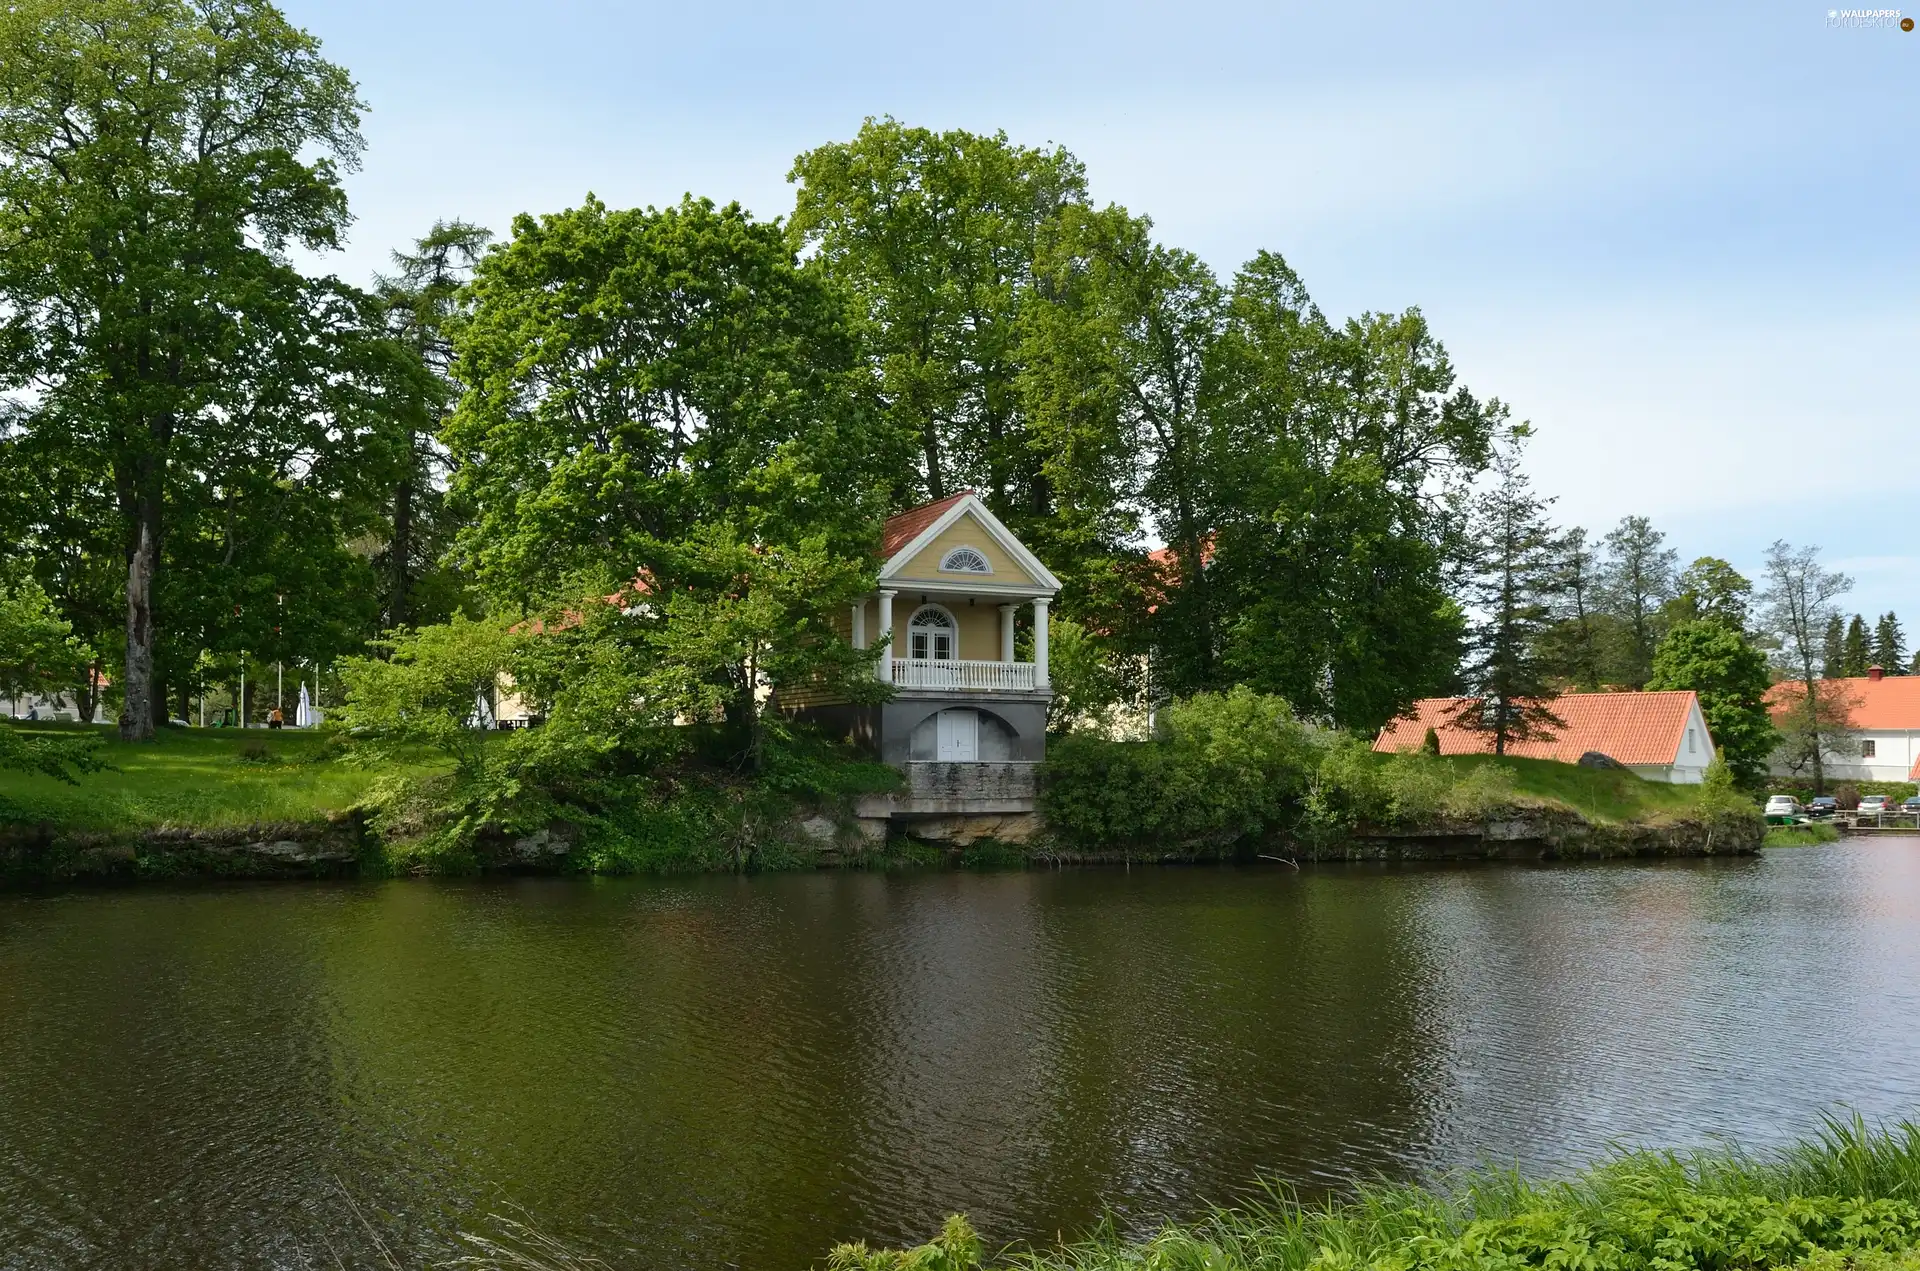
(203, 778)
(1848, 1200)
(1600, 794)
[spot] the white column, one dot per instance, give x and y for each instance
(1006, 632)
(860, 624)
(886, 635)
(1040, 642)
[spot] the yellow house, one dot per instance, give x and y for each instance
(951, 584)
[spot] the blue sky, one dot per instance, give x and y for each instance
(1681, 239)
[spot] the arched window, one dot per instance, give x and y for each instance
(965, 560)
(932, 635)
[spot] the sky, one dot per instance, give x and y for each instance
(1681, 240)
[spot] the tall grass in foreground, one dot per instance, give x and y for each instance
(1846, 1199)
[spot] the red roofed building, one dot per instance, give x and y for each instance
(1886, 725)
(1661, 736)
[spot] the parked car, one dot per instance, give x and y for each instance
(1822, 805)
(1912, 805)
(1782, 807)
(1872, 804)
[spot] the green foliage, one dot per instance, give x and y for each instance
(1710, 589)
(426, 692)
(1721, 664)
(1089, 679)
(1843, 1202)
(1508, 586)
(1812, 834)
(1232, 766)
(38, 651)
(1890, 645)
(1636, 584)
(156, 160)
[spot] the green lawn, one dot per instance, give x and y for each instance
(1810, 835)
(191, 777)
(1600, 794)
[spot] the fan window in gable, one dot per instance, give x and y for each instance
(965, 560)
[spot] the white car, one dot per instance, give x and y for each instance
(1782, 805)
(1872, 805)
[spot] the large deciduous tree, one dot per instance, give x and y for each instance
(662, 403)
(1797, 610)
(156, 157)
(1335, 457)
(1714, 658)
(1636, 582)
(936, 234)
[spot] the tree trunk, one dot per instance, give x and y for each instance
(936, 480)
(136, 712)
(88, 698)
(401, 551)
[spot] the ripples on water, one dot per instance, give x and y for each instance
(738, 1072)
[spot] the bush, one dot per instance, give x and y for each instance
(1232, 766)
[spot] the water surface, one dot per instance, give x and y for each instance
(738, 1072)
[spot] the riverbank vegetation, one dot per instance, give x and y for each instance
(1238, 768)
(1812, 834)
(1847, 1200)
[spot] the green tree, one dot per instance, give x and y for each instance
(1890, 645)
(661, 408)
(1716, 660)
(1856, 650)
(1712, 589)
(1636, 581)
(1797, 608)
(1833, 647)
(1507, 591)
(1334, 459)
(38, 651)
(1117, 355)
(1580, 645)
(423, 301)
(156, 158)
(936, 235)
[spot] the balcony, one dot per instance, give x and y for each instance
(974, 677)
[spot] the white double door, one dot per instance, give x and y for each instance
(957, 736)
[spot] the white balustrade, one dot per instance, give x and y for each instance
(978, 676)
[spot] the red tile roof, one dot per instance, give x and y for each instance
(903, 527)
(1633, 728)
(1892, 702)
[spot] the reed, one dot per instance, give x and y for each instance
(1845, 1199)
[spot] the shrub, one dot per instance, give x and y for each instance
(1231, 766)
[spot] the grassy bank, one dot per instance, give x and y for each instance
(1607, 795)
(198, 778)
(1811, 835)
(1848, 1199)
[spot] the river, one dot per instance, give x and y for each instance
(721, 1072)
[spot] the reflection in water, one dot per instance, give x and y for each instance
(738, 1072)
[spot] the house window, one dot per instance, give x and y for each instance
(965, 560)
(931, 635)
(1866, 750)
(1690, 746)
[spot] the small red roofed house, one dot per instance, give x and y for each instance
(1661, 736)
(1886, 726)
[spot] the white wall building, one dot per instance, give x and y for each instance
(1886, 717)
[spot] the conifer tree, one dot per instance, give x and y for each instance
(1890, 645)
(1855, 652)
(1833, 648)
(1508, 591)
